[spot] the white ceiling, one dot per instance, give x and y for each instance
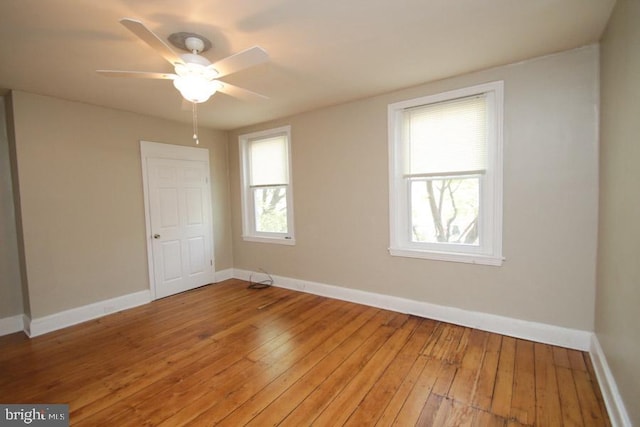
(322, 52)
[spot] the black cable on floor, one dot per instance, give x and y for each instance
(266, 283)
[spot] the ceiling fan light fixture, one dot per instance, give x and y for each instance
(195, 88)
(204, 70)
(195, 76)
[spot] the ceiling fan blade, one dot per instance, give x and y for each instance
(137, 74)
(149, 37)
(241, 60)
(238, 92)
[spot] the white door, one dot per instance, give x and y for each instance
(179, 221)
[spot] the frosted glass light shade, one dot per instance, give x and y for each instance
(195, 88)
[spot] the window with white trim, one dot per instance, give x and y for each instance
(267, 195)
(445, 166)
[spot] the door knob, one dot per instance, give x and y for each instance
(156, 236)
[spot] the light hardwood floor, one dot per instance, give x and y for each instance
(232, 356)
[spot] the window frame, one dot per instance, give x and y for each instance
(489, 252)
(249, 231)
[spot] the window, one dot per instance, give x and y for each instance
(445, 168)
(267, 196)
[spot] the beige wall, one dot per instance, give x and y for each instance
(82, 202)
(618, 283)
(10, 285)
(340, 181)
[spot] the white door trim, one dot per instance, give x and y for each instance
(159, 150)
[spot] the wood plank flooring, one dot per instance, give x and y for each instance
(231, 356)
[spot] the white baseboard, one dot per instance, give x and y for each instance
(556, 335)
(42, 325)
(612, 399)
(223, 275)
(534, 331)
(10, 325)
(539, 332)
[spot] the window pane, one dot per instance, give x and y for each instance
(270, 205)
(268, 160)
(448, 136)
(445, 210)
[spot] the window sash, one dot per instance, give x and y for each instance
(489, 251)
(446, 136)
(268, 159)
(256, 223)
(252, 229)
(443, 222)
(447, 175)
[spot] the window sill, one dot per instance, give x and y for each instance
(276, 240)
(448, 256)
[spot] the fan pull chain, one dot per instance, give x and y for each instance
(195, 122)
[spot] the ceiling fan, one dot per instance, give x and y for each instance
(195, 77)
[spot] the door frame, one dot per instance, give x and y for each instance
(158, 150)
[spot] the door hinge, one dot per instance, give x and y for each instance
(211, 262)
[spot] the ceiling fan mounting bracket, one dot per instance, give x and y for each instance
(190, 42)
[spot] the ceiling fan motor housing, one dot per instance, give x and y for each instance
(192, 58)
(194, 44)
